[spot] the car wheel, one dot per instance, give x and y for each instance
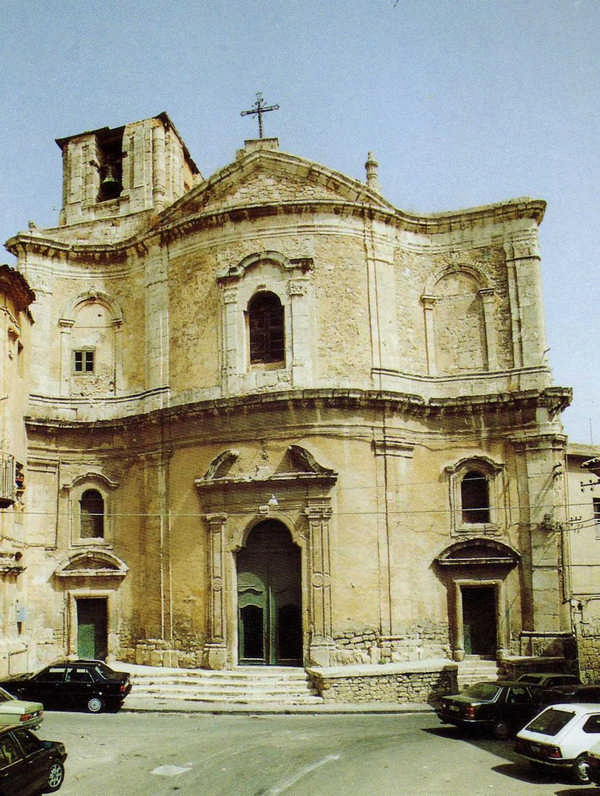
(581, 770)
(55, 777)
(501, 730)
(95, 704)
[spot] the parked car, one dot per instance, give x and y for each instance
(571, 693)
(18, 711)
(549, 679)
(560, 736)
(500, 706)
(73, 685)
(28, 765)
(593, 761)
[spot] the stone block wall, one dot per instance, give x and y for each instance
(386, 683)
(589, 657)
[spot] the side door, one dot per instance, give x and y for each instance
(80, 685)
(48, 686)
(15, 775)
(519, 706)
(35, 757)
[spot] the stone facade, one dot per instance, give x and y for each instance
(581, 540)
(272, 418)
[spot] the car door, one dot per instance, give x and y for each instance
(518, 706)
(15, 775)
(35, 758)
(47, 686)
(80, 685)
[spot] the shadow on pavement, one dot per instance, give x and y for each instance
(515, 767)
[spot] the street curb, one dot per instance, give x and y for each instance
(190, 706)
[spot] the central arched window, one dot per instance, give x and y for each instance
(266, 330)
(91, 514)
(475, 497)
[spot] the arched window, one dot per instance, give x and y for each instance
(265, 324)
(91, 515)
(475, 497)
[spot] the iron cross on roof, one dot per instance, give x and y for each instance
(259, 109)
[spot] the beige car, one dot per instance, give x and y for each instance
(20, 712)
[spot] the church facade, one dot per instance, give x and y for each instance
(273, 419)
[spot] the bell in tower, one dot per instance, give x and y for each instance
(110, 180)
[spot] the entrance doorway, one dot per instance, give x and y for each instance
(269, 597)
(92, 628)
(479, 620)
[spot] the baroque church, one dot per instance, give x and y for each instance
(268, 417)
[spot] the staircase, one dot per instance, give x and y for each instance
(244, 685)
(474, 670)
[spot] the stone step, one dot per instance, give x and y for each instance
(475, 670)
(249, 685)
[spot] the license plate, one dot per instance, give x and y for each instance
(454, 708)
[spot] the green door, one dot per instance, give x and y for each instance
(92, 635)
(479, 620)
(269, 597)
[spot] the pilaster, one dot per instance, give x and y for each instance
(321, 631)
(216, 646)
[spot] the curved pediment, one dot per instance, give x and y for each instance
(270, 177)
(478, 552)
(92, 564)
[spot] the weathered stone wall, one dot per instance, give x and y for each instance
(589, 658)
(393, 683)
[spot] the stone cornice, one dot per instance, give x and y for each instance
(173, 228)
(554, 399)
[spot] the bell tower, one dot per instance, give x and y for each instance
(124, 170)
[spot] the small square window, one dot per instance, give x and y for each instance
(83, 361)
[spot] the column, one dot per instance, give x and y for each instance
(487, 299)
(321, 632)
(428, 303)
(231, 344)
(300, 333)
(216, 646)
(65, 356)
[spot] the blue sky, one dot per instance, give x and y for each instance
(463, 102)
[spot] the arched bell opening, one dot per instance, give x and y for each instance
(269, 597)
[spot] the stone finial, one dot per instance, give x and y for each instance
(371, 167)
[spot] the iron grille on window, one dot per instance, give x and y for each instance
(596, 509)
(91, 515)
(474, 492)
(83, 362)
(265, 319)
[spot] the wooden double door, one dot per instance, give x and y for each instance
(269, 598)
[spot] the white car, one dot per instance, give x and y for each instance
(560, 736)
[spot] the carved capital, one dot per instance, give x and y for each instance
(216, 522)
(320, 513)
(230, 295)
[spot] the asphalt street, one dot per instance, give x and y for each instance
(153, 754)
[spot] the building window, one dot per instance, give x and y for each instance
(596, 510)
(91, 515)
(265, 323)
(475, 497)
(83, 361)
(477, 492)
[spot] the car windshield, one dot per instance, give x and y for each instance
(481, 691)
(5, 696)
(104, 671)
(550, 721)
